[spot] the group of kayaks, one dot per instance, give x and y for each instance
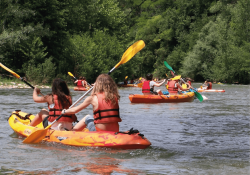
(131, 139)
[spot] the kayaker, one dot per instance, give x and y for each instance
(81, 82)
(148, 86)
(125, 82)
(174, 86)
(104, 100)
(207, 84)
(189, 81)
(58, 100)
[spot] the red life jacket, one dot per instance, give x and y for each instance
(209, 85)
(79, 83)
(172, 88)
(189, 82)
(146, 87)
(57, 111)
(106, 112)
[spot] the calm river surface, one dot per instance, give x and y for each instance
(211, 137)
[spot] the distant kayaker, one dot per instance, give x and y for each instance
(58, 100)
(189, 81)
(104, 100)
(207, 84)
(174, 86)
(81, 82)
(148, 86)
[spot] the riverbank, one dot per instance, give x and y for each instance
(11, 85)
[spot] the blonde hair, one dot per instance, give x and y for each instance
(105, 84)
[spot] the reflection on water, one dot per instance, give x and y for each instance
(211, 137)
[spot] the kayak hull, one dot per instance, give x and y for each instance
(138, 98)
(80, 89)
(211, 90)
(107, 139)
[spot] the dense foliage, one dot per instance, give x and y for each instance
(200, 39)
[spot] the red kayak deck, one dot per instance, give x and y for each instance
(138, 98)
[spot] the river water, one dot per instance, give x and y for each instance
(211, 137)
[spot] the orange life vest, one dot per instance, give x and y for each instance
(146, 87)
(172, 88)
(57, 111)
(106, 112)
(79, 83)
(209, 85)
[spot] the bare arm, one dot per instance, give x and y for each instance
(159, 84)
(39, 99)
(83, 105)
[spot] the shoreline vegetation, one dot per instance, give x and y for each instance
(14, 83)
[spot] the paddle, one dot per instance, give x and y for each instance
(70, 74)
(17, 76)
(40, 134)
(197, 94)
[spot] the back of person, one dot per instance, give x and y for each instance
(56, 111)
(172, 88)
(209, 85)
(79, 83)
(146, 88)
(106, 116)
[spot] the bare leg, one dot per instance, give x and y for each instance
(159, 92)
(80, 125)
(39, 117)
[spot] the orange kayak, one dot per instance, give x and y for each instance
(138, 98)
(210, 90)
(80, 89)
(131, 139)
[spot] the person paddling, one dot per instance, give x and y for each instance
(207, 84)
(58, 100)
(81, 82)
(104, 100)
(148, 86)
(174, 86)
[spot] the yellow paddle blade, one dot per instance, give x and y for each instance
(70, 74)
(166, 75)
(126, 77)
(140, 78)
(13, 73)
(130, 52)
(36, 136)
(139, 85)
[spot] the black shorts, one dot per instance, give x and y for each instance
(46, 122)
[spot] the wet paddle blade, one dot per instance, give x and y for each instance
(198, 95)
(36, 136)
(169, 67)
(13, 73)
(139, 85)
(70, 74)
(130, 52)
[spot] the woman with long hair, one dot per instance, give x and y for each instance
(104, 100)
(59, 99)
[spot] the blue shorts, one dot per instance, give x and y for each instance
(89, 121)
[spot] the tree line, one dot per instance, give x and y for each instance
(200, 39)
